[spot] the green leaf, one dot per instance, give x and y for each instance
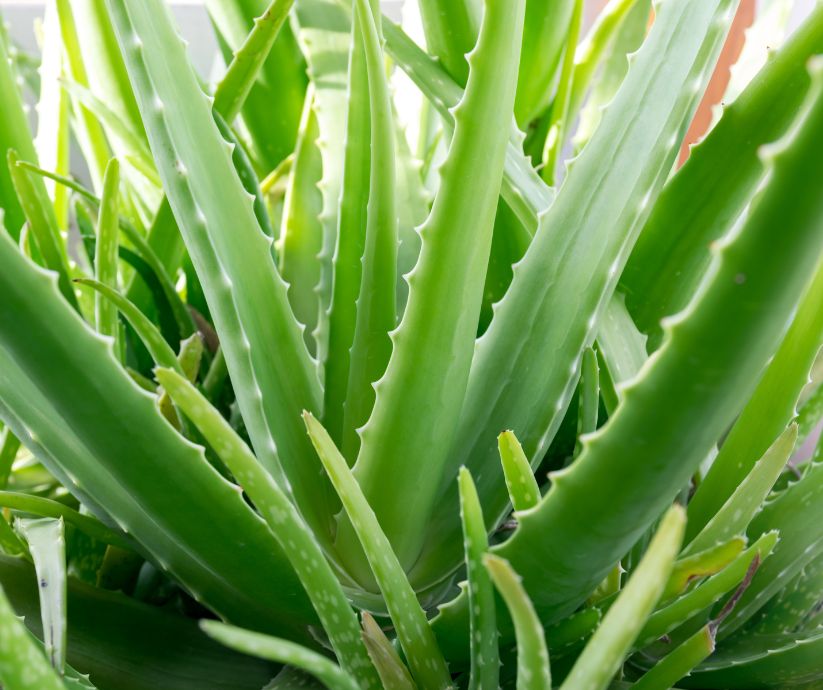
(105, 259)
(237, 82)
(22, 664)
(722, 172)
(701, 564)
(296, 540)
(47, 544)
(377, 299)
(679, 662)
(282, 651)
(9, 444)
(526, 365)
(102, 436)
(393, 672)
(159, 349)
(451, 28)
(456, 243)
(609, 645)
(231, 254)
(734, 516)
(771, 407)
(589, 396)
(523, 489)
(485, 659)
(533, 672)
(418, 642)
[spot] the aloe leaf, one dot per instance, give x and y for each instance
(47, 545)
(523, 489)
(610, 643)
(301, 232)
(283, 651)
(376, 302)
(701, 564)
(722, 172)
(698, 600)
(526, 365)
(352, 219)
(42, 223)
(22, 664)
(9, 445)
(44, 507)
(795, 513)
(237, 82)
(451, 28)
(208, 198)
(88, 130)
(485, 660)
(159, 349)
(533, 672)
(560, 111)
(281, 80)
(589, 392)
(296, 540)
(622, 349)
(453, 260)
(770, 408)
(679, 662)
(127, 645)
(10, 543)
(393, 672)
(14, 134)
(136, 151)
(105, 259)
(734, 516)
(545, 37)
(52, 139)
(416, 637)
(103, 436)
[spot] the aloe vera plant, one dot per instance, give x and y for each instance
(385, 361)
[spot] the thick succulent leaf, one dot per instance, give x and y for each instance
(127, 645)
(456, 243)
(413, 631)
(384, 656)
(698, 602)
(281, 80)
(526, 365)
(545, 37)
(301, 232)
(209, 200)
(621, 346)
(240, 76)
(47, 544)
(70, 402)
(451, 28)
(295, 538)
(376, 301)
(734, 515)
(770, 408)
(22, 664)
(9, 445)
(485, 660)
(523, 489)
(679, 662)
(722, 172)
(701, 564)
(611, 642)
(14, 134)
(352, 218)
(105, 254)
(533, 672)
(283, 651)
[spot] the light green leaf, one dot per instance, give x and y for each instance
(524, 491)
(392, 670)
(678, 663)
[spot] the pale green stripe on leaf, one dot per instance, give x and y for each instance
(106, 254)
(418, 642)
(613, 640)
(281, 651)
(533, 672)
(47, 545)
(524, 491)
(485, 659)
(286, 524)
